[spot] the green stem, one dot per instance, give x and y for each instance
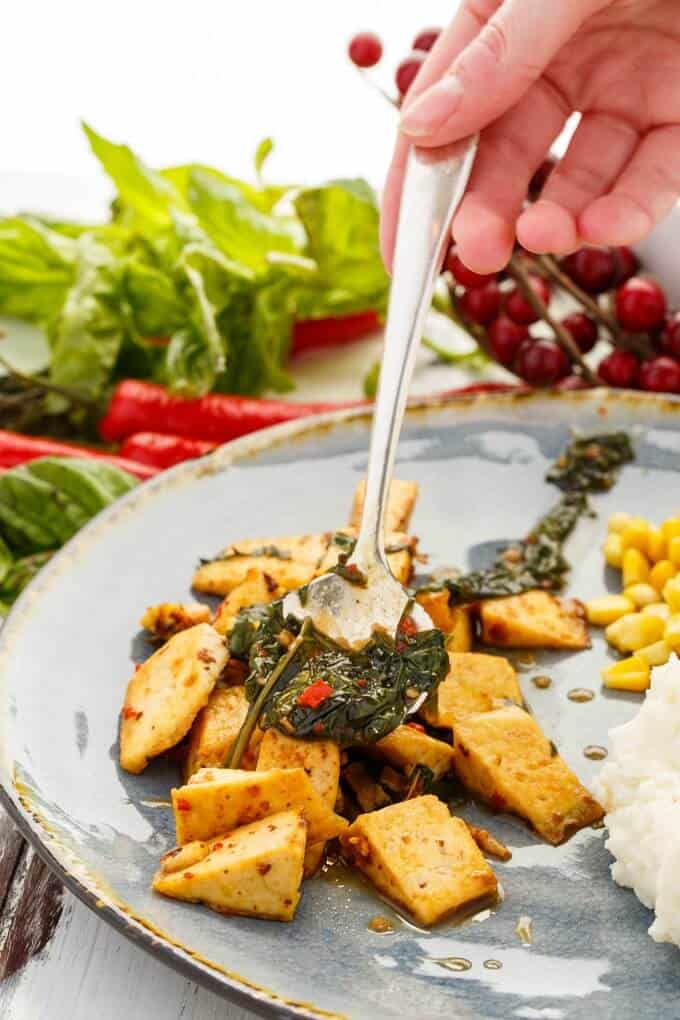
(250, 722)
(47, 387)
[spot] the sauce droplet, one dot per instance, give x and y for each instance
(524, 661)
(381, 925)
(581, 695)
(457, 963)
(493, 964)
(595, 752)
(542, 682)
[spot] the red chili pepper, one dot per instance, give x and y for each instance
(140, 406)
(407, 625)
(163, 451)
(182, 804)
(416, 726)
(131, 713)
(19, 449)
(317, 334)
(315, 694)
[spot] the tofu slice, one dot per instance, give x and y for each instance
(302, 554)
(218, 800)
(475, 683)
(216, 728)
(535, 619)
(166, 694)
(421, 857)
(454, 621)
(400, 503)
(254, 871)
(168, 618)
(257, 589)
(321, 761)
(405, 747)
(369, 795)
(400, 559)
(505, 758)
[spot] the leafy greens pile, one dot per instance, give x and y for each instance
(371, 689)
(42, 505)
(197, 279)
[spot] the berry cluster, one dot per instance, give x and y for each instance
(613, 303)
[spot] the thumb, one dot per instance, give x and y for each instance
(509, 53)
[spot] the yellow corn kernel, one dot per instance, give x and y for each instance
(630, 674)
(619, 522)
(634, 631)
(660, 609)
(641, 595)
(656, 654)
(671, 528)
(636, 535)
(603, 611)
(635, 567)
(674, 550)
(671, 594)
(661, 572)
(671, 635)
(613, 550)
(656, 545)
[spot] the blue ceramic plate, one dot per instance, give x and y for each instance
(66, 654)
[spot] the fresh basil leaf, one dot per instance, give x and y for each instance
(37, 267)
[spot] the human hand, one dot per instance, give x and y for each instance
(515, 70)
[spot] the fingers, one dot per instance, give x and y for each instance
(599, 150)
(510, 151)
(644, 193)
(494, 70)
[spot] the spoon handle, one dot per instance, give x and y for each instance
(434, 184)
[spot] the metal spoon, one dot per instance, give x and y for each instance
(349, 612)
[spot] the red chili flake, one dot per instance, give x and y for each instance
(217, 846)
(407, 625)
(182, 804)
(131, 713)
(138, 667)
(318, 727)
(401, 646)
(315, 694)
(353, 570)
(416, 726)
(362, 683)
(205, 656)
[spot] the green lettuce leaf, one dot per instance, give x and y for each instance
(37, 267)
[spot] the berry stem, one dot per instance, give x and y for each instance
(564, 338)
(372, 83)
(554, 272)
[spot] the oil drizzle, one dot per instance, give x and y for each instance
(457, 963)
(581, 695)
(493, 964)
(594, 752)
(542, 682)
(380, 925)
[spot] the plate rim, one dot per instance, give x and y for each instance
(262, 1000)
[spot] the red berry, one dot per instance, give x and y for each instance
(670, 338)
(538, 181)
(541, 362)
(482, 304)
(660, 375)
(365, 49)
(464, 276)
(518, 308)
(583, 330)
(627, 263)
(426, 39)
(505, 339)
(640, 305)
(407, 71)
(619, 368)
(593, 269)
(572, 382)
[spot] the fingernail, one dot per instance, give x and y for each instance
(430, 111)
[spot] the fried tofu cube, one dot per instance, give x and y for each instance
(218, 800)
(290, 562)
(167, 692)
(216, 728)
(535, 619)
(369, 795)
(475, 683)
(168, 618)
(254, 871)
(321, 761)
(400, 503)
(406, 746)
(454, 621)
(505, 758)
(257, 589)
(421, 857)
(400, 552)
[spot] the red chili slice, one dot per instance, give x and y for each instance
(315, 694)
